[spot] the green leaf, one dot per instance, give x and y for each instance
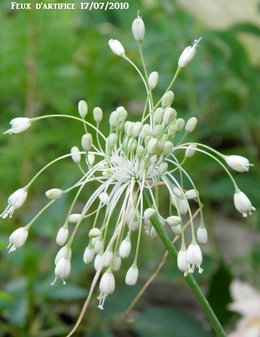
(168, 322)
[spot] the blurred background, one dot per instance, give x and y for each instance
(49, 60)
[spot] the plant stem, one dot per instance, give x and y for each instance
(189, 279)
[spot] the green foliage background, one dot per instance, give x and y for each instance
(49, 60)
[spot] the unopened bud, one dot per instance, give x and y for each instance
(114, 119)
(83, 109)
(138, 29)
(167, 99)
(97, 114)
(169, 116)
(116, 47)
(86, 141)
(190, 151)
(75, 154)
(188, 54)
(54, 193)
(191, 124)
(180, 124)
(153, 79)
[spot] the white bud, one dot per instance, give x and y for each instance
(116, 47)
(182, 261)
(98, 245)
(238, 163)
(176, 229)
(114, 119)
(172, 130)
(88, 255)
(191, 124)
(157, 131)
(99, 262)
(191, 194)
(91, 158)
(94, 232)
(202, 235)
(137, 128)
(122, 114)
(145, 131)
(167, 99)
(54, 193)
(64, 252)
(62, 236)
(140, 151)
(173, 220)
(190, 151)
(86, 141)
(107, 283)
(112, 139)
(180, 122)
(97, 114)
(158, 115)
(169, 115)
(188, 54)
(162, 169)
(17, 239)
(131, 276)
(75, 154)
(104, 198)
(194, 257)
(138, 29)
(125, 248)
(153, 79)
(74, 218)
(243, 204)
(19, 125)
(62, 269)
(167, 148)
(152, 145)
(149, 213)
(83, 109)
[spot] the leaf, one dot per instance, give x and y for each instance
(168, 322)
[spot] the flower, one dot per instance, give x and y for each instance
(246, 302)
(106, 287)
(62, 236)
(243, 204)
(238, 163)
(202, 235)
(131, 276)
(19, 125)
(116, 47)
(188, 54)
(17, 239)
(194, 257)
(182, 263)
(62, 269)
(16, 200)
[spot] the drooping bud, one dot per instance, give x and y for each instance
(202, 235)
(62, 236)
(173, 220)
(88, 255)
(191, 194)
(116, 47)
(54, 193)
(16, 200)
(131, 276)
(138, 29)
(83, 109)
(182, 261)
(194, 257)
(125, 248)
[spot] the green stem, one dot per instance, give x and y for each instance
(189, 279)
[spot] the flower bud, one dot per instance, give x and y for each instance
(176, 229)
(62, 269)
(169, 115)
(94, 232)
(62, 236)
(112, 139)
(86, 141)
(194, 257)
(148, 214)
(122, 114)
(116, 47)
(191, 194)
(172, 130)
(75, 154)
(180, 122)
(138, 29)
(88, 255)
(182, 261)
(125, 248)
(191, 124)
(97, 114)
(167, 148)
(114, 119)
(202, 235)
(157, 131)
(152, 145)
(162, 169)
(190, 151)
(173, 220)
(158, 115)
(140, 151)
(188, 54)
(153, 79)
(91, 158)
(145, 131)
(238, 163)
(83, 109)
(116, 263)
(167, 99)
(104, 198)
(16, 200)
(19, 125)
(54, 193)
(17, 239)
(107, 283)
(97, 244)
(137, 129)
(74, 218)
(131, 276)
(64, 252)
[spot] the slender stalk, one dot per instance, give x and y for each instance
(189, 279)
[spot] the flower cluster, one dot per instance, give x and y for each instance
(132, 166)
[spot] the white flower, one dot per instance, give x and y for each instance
(116, 47)
(62, 269)
(243, 204)
(138, 29)
(238, 163)
(188, 54)
(17, 239)
(15, 201)
(202, 235)
(106, 287)
(54, 193)
(64, 252)
(18, 125)
(246, 301)
(125, 248)
(88, 255)
(83, 108)
(131, 276)
(62, 236)
(194, 257)
(182, 261)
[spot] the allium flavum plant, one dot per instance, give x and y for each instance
(132, 165)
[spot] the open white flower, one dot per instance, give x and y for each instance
(243, 204)
(16, 200)
(19, 125)
(17, 239)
